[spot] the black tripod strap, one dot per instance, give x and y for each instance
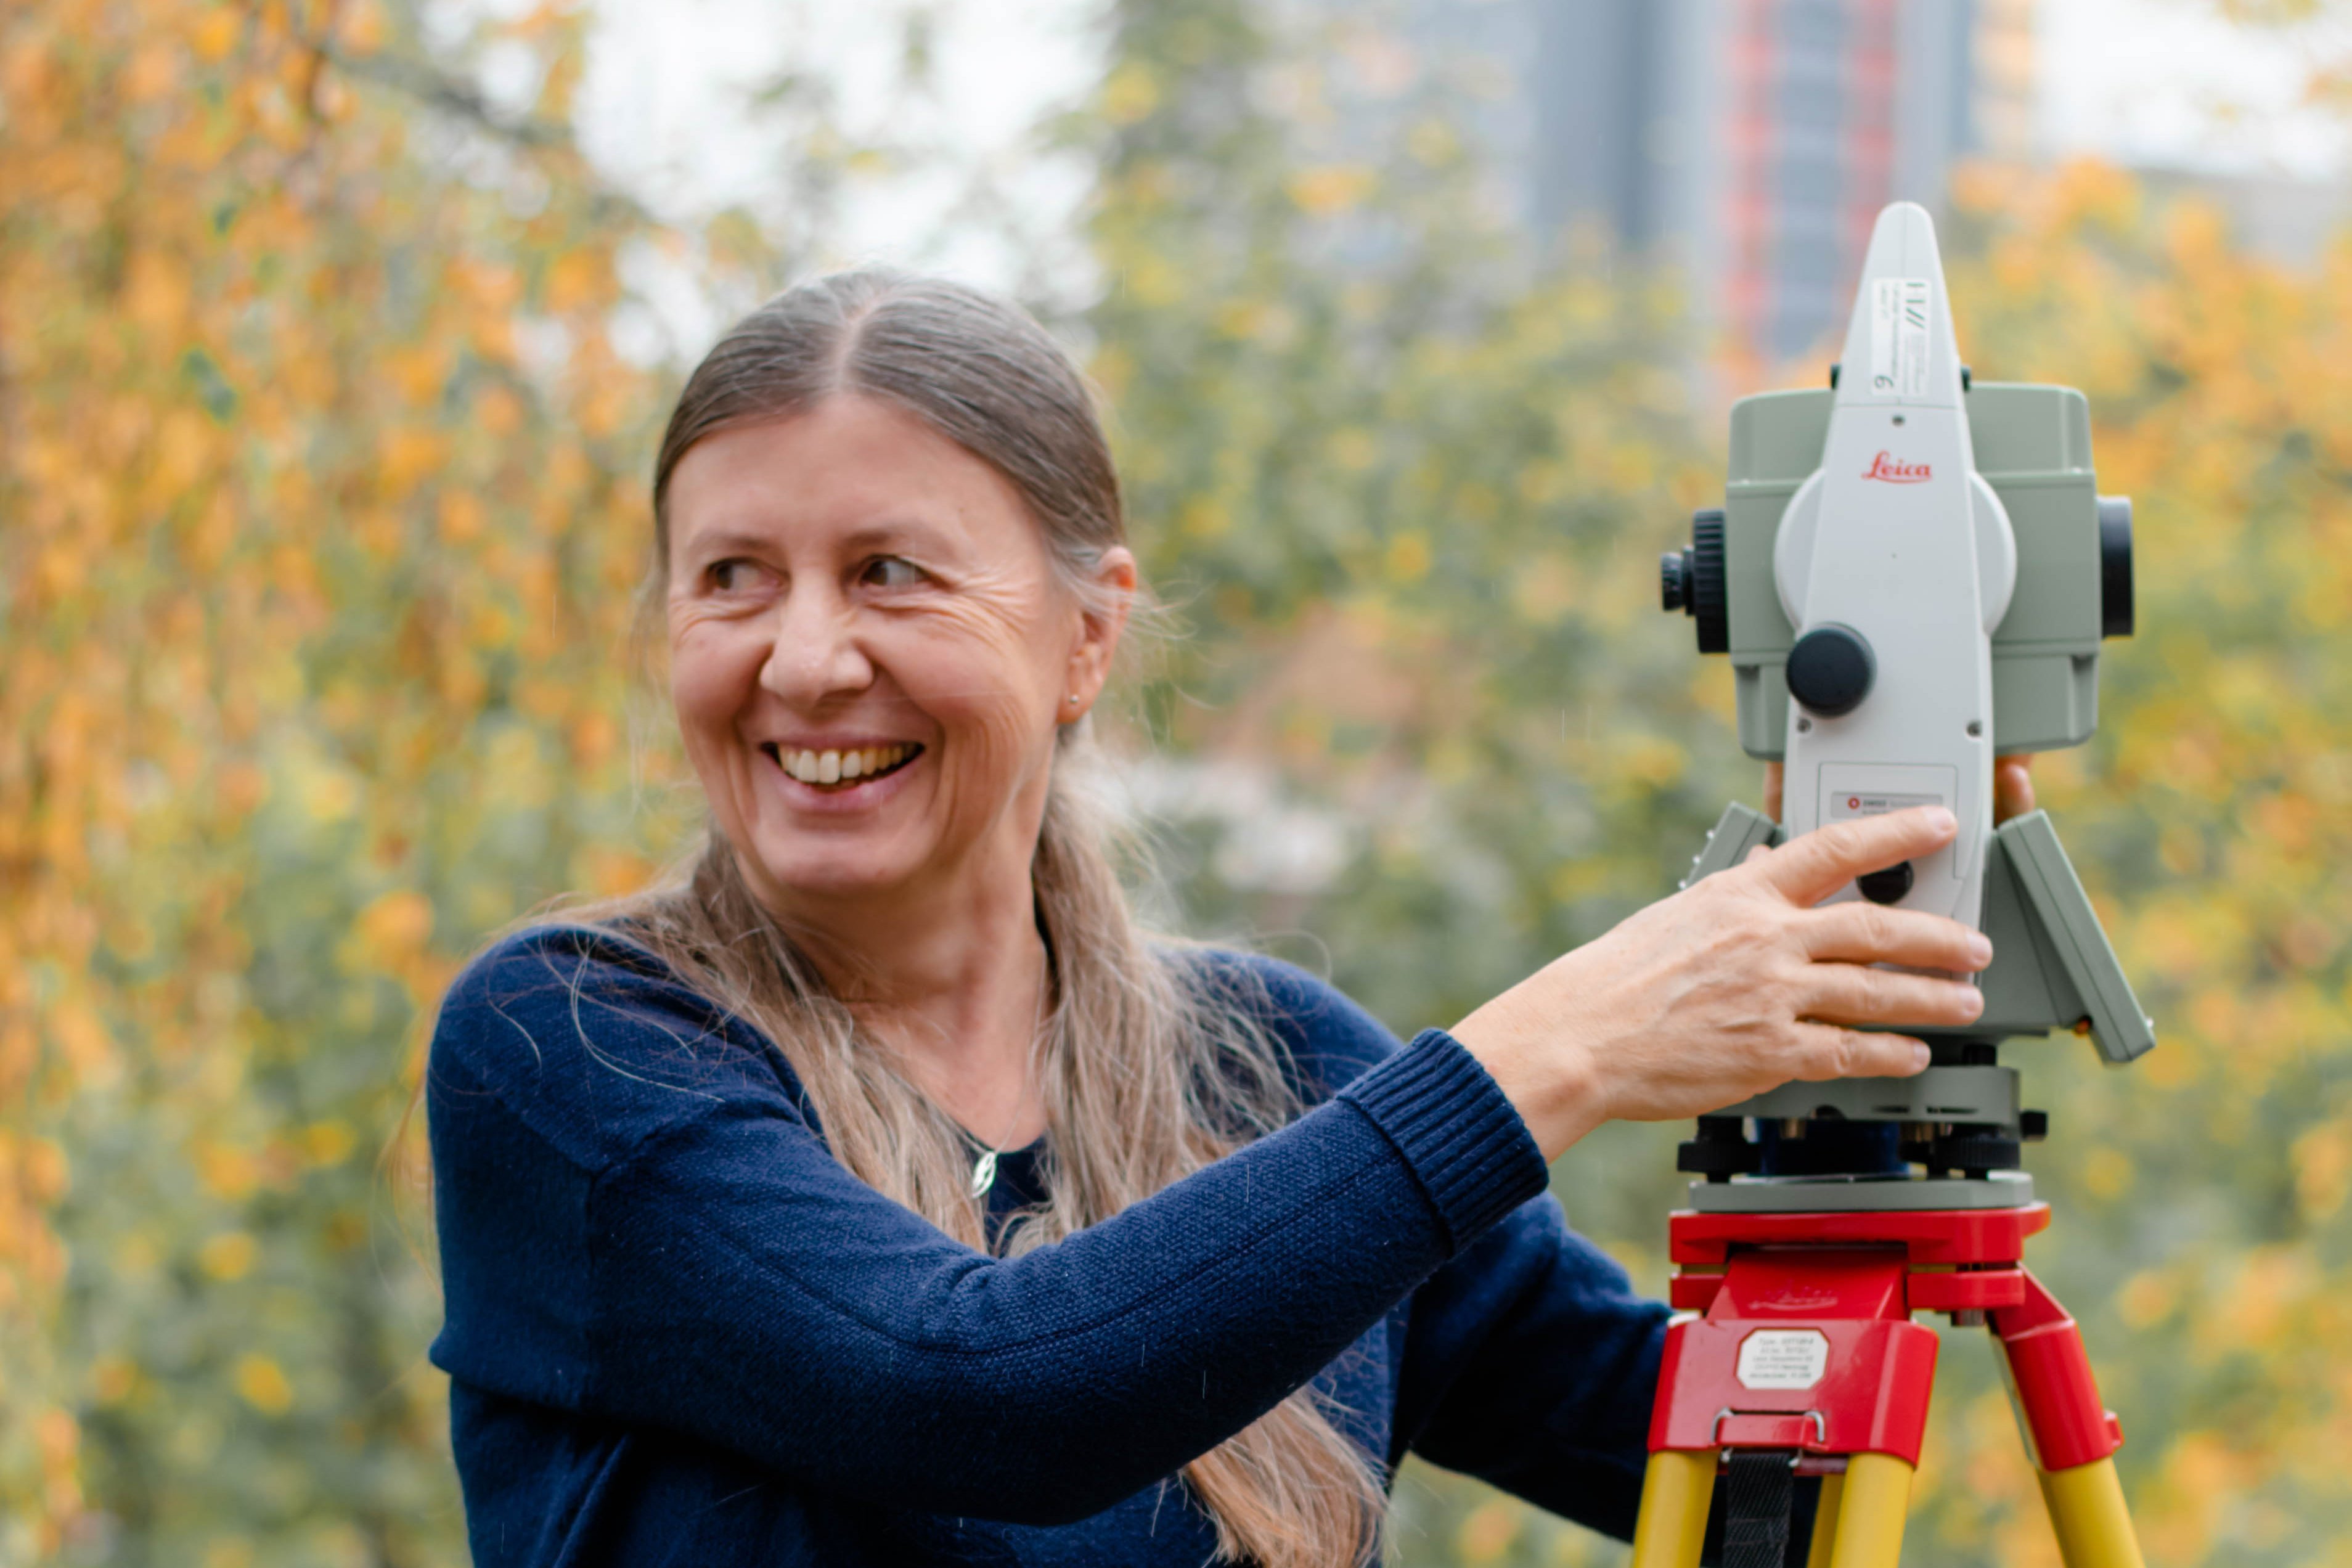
(1758, 1488)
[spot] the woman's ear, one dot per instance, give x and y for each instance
(1102, 621)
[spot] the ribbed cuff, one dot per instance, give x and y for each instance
(1456, 1129)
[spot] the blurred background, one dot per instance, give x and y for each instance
(334, 337)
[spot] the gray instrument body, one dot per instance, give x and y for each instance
(1955, 530)
(2033, 451)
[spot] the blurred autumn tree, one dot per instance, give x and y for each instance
(321, 486)
(320, 511)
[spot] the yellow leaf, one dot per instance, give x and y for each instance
(112, 1378)
(155, 292)
(576, 279)
(393, 928)
(1655, 762)
(462, 516)
(326, 793)
(1205, 518)
(263, 1384)
(364, 27)
(1330, 189)
(408, 455)
(2145, 1299)
(1129, 93)
(2323, 1169)
(2106, 1172)
(613, 872)
(217, 33)
(328, 1142)
(82, 1039)
(1354, 448)
(227, 1172)
(1408, 558)
(1488, 1531)
(594, 738)
(228, 1256)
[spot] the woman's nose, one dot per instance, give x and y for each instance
(816, 653)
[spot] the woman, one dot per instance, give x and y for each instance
(879, 1194)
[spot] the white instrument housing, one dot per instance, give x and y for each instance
(1896, 538)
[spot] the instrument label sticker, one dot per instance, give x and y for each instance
(1783, 1358)
(1877, 803)
(1898, 337)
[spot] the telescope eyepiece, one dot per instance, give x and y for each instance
(1673, 580)
(1693, 581)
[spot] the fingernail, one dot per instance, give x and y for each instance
(1944, 820)
(1980, 949)
(1920, 1056)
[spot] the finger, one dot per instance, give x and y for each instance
(2012, 787)
(1866, 933)
(1826, 1051)
(1810, 867)
(1853, 994)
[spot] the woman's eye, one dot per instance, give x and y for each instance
(890, 571)
(734, 577)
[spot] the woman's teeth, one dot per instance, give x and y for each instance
(841, 767)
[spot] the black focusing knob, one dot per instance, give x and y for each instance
(1693, 581)
(1831, 670)
(2114, 566)
(1887, 886)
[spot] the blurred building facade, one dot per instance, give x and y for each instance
(1747, 145)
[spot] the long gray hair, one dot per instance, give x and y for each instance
(1147, 1075)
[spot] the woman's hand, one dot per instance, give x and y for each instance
(2012, 787)
(1734, 986)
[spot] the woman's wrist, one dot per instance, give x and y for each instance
(1546, 1073)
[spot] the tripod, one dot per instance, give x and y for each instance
(1804, 1361)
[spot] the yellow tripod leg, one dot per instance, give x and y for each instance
(1675, 1491)
(1825, 1522)
(1871, 1506)
(2086, 1510)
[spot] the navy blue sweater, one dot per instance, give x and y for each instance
(679, 1331)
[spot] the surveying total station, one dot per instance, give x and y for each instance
(1912, 573)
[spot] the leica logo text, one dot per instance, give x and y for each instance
(1895, 471)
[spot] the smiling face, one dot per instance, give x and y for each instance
(870, 655)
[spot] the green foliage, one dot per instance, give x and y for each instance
(314, 582)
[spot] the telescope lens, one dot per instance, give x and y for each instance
(2114, 566)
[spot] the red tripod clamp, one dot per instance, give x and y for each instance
(1806, 1341)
